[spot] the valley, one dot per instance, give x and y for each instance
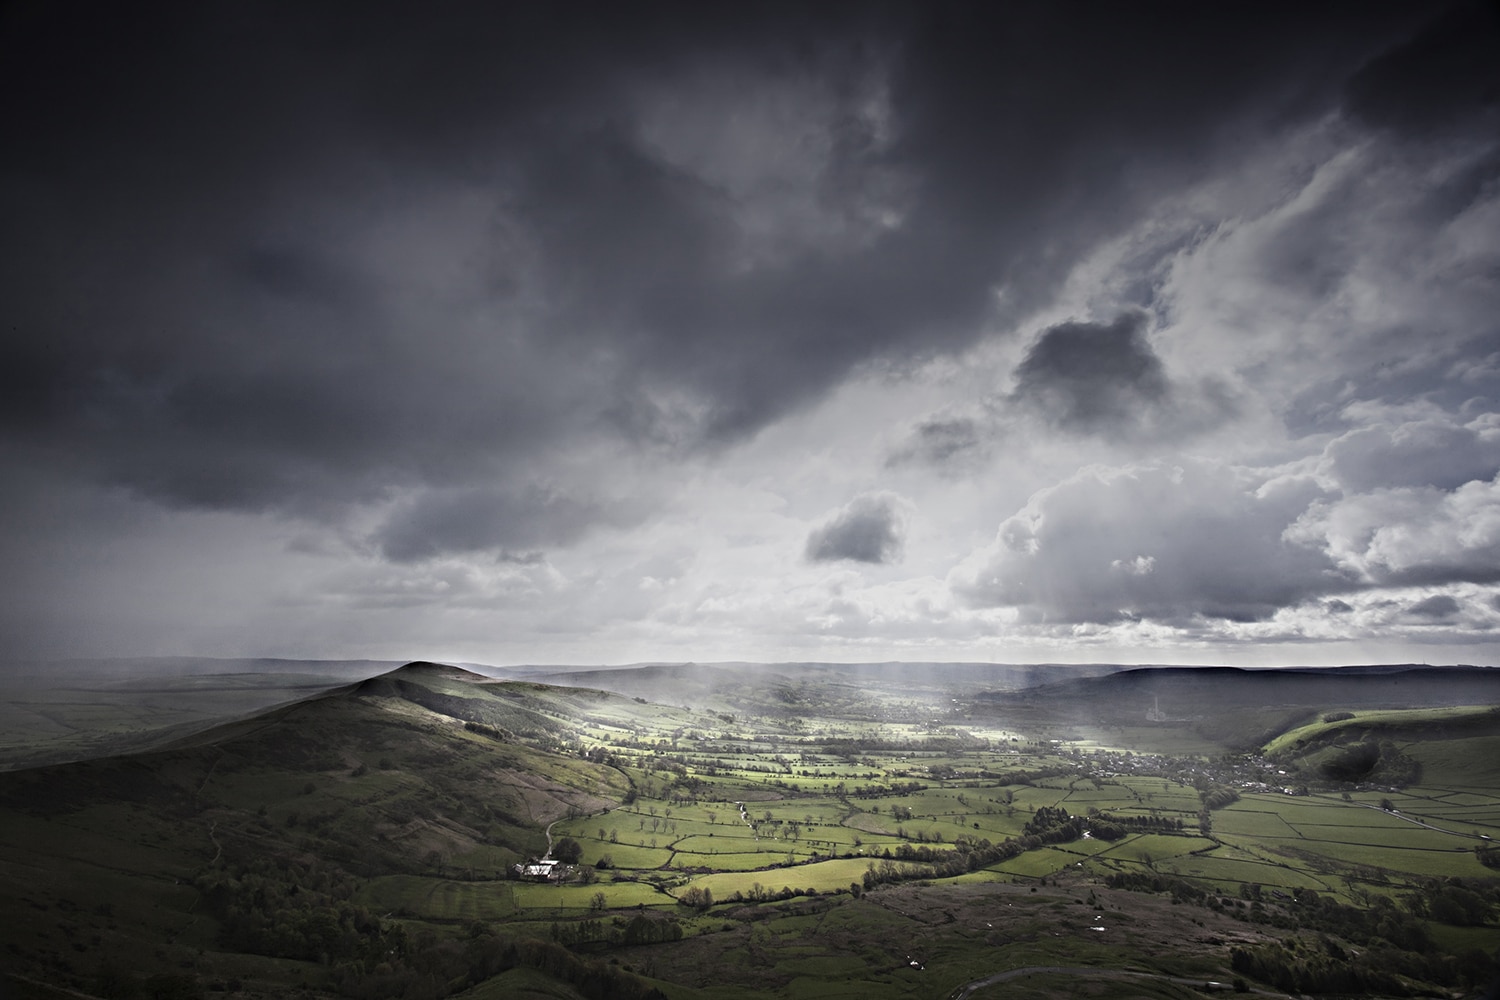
(793, 831)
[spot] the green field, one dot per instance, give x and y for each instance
(344, 843)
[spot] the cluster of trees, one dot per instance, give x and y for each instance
(639, 929)
(484, 730)
(600, 755)
(567, 850)
(881, 791)
(927, 862)
(697, 898)
(760, 894)
(1027, 777)
(1456, 901)
(295, 911)
(1182, 892)
(302, 911)
(1218, 796)
(1124, 824)
(1053, 825)
(889, 871)
(1329, 968)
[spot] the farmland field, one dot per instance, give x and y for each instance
(758, 852)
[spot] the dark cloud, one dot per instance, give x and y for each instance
(442, 522)
(1436, 606)
(503, 280)
(871, 528)
(1090, 376)
(1105, 379)
(1446, 74)
(285, 258)
(940, 441)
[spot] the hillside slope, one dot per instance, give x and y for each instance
(1242, 709)
(106, 860)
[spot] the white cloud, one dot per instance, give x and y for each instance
(1167, 542)
(1409, 534)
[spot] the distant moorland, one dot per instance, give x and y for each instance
(373, 830)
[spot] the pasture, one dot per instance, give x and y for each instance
(755, 853)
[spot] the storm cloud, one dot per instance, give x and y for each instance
(569, 322)
(1093, 377)
(868, 529)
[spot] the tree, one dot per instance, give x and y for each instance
(697, 898)
(567, 850)
(598, 901)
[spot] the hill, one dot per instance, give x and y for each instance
(105, 859)
(1241, 709)
(783, 831)
(60, 711)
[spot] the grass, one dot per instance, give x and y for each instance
(1380, 723)
(531, 897)
(421, 809)
(824, 876)
(438, 899)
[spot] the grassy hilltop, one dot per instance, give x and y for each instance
(807, 832)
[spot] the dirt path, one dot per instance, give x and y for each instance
(549, 840)
(964, 991)
(210, 773)
(1410, 819)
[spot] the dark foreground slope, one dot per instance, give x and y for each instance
(195, 862)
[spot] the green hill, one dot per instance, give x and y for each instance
(141, 861)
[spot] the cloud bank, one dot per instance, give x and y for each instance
(561, 332)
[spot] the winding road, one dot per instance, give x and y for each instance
(964, 991)
(1414, 820)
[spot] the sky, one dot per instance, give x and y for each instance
(606, 333)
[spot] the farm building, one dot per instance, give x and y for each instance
(543, 870)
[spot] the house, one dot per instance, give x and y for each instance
(538, 870)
